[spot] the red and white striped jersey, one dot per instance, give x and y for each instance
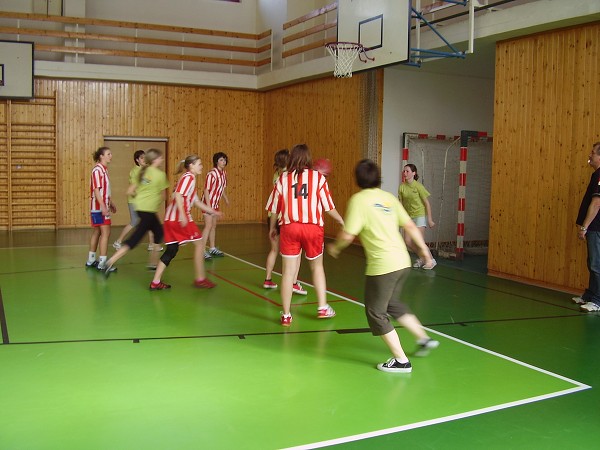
(186, 186)
(216, 181)
(301, 199)
(99, 180)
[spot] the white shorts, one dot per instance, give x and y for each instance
(420, 222)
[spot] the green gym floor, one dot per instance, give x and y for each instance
(89, 363)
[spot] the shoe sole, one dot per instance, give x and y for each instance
(388, 370)
(269, 287)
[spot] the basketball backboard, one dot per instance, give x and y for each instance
(381, 26)
(16, 59)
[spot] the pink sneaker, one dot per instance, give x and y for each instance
(268, 284)
(298, 289)
(286, 321)
(159, 286)
(204, 284)
(325, 313)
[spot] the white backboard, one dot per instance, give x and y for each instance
(381, 26)
(16, 60)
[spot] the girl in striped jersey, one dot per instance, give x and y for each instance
(100, 208)
(214, 189)
(298, 200)
(179, 226)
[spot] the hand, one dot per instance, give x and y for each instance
(333, 250)
(113, 208)
(183, 222)
(272, 234)
(431, 223)
(581, 234)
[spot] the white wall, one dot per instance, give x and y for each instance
(211, 14)
(422, 102)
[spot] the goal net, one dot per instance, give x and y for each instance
(457, 172)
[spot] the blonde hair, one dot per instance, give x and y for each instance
(184, 164)
(150, 156)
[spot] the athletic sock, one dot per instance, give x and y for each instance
(91, 257)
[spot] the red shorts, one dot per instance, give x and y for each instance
(295, 237)
(98, 219)
(176, 234)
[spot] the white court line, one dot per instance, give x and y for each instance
(578, 387)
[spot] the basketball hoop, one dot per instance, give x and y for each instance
(344, 54)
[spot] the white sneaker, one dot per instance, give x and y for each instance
(578, 301)
(298, 289)
(418, 263)
(117, 245)
(429, 266)
(590, 307)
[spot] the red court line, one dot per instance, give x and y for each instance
(262, 297)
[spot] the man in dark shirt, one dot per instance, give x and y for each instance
(588, 220)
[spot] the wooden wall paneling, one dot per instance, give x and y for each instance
(326, 115)
(32, 164)
(545, 121)
(248, 126)
(3, 166)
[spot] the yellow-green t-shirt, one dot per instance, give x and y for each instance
(133, 179)
(412, 196)
(148, 196)
(375, 215)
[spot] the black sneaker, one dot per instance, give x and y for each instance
(393, 365)
(91, 265)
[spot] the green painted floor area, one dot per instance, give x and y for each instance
(95, 363)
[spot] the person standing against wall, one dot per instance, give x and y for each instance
(214, 189)
(414, 197)
(101, 207)
(588, 221)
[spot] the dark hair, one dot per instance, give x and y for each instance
(414, 169)
(281, 159)
(137, 155)
(299, 158)
(98, 153)
(367, 174)
(218, 156)
(150, 156)
(185, 164)
(596, 148)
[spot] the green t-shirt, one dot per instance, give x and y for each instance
(133, 179)
(412, 196)
(148, 196)
(375, 215)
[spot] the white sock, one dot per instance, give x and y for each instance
(91, 257)
(102, 260)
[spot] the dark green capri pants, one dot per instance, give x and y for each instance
(382, 300)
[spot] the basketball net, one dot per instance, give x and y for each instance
(344, 54)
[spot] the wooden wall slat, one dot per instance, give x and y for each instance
(546, 117)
